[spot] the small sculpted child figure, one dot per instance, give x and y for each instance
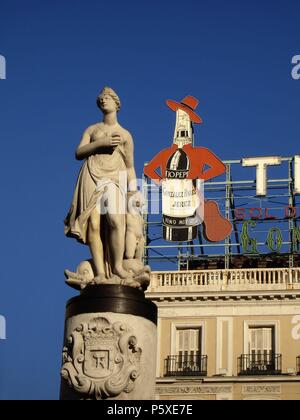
(135, 240)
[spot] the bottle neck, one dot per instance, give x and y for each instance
(184, 131)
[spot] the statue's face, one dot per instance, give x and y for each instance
(107, 104)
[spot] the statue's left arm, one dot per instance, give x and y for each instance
(129, 161)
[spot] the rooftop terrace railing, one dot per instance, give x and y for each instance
(226, 280)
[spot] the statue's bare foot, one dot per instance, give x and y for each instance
(100, 279)
(120, 272)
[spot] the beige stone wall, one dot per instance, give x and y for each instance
(226, 336)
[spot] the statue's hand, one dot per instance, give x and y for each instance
(116, 139)
(102, 139)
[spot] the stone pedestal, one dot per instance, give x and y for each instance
(110, 345)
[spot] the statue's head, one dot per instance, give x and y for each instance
(108, 100)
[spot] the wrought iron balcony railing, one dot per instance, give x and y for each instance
(191, 365)
(298, 365)
(260, 364)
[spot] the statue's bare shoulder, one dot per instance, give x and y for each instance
(89, 130)
(87, 136)
(126, 135)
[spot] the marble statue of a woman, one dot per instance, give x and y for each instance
(99, 210)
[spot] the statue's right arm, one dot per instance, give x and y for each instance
(87, 148)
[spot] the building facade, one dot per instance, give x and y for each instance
(228, 334)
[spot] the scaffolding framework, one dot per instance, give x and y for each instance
(231, 193)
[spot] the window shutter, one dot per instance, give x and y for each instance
(188, 341)
(261, 340)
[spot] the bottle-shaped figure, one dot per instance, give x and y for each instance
(181, 195)
(183, 170)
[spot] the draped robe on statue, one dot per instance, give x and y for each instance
(98, 173)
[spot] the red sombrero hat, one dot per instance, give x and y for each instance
(188, 105)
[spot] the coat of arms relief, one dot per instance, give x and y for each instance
(101, 360)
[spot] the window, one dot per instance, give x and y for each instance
(261, 357)
(261, 341)
(187, 348)
(188, 345)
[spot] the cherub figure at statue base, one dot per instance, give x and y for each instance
(139, 276)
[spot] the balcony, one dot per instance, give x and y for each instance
(272, 279)
(260, 364)
(186, 366)
(298, 365)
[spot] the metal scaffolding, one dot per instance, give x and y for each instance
(231, 193)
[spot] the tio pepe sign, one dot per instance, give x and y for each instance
(262, 163)
(182, 173)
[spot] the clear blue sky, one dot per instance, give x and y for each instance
(235, 56)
